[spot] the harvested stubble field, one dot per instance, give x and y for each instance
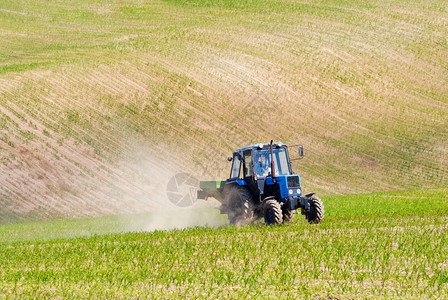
(383, 245)
(99, 100)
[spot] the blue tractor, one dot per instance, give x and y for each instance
(262, 184)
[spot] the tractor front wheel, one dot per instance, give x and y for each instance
(288, 215)
(316, 213)
(272, 212)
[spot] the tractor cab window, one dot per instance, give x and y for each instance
(248, 163)
(262, 162)
(282, 165)
(236, 167)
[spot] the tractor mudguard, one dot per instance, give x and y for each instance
(240, 182)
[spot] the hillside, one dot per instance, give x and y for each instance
(101, 102)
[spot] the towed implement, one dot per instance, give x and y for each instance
(262, 185)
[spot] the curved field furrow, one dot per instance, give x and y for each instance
(115, 98)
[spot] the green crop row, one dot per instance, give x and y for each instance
(385, 245)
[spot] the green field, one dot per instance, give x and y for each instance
(383, 245)
(103, 101)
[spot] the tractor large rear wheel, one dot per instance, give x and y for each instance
(237, 205)
(272, 212)
(316, 213)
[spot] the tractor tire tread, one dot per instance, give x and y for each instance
(316, 213)
(237, 203)
(272, 212)
(288, 215)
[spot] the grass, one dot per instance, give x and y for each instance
(88, 227)
(19, 67)
(102, 101)
(369, 246)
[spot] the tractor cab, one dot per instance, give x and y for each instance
(266, 170)
(256, 161)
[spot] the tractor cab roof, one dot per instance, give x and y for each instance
(260, 146)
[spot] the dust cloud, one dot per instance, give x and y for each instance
(121, 193)
(145, 171)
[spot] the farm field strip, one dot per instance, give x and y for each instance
(363, 86)
(396, 252)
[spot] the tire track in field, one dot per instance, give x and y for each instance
(78, 130)
(293, 60)
(59, 206)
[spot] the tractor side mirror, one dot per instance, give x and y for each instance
(229, 158)
(301, 154)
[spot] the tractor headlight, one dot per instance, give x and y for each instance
(290, 192)
(299, 191)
